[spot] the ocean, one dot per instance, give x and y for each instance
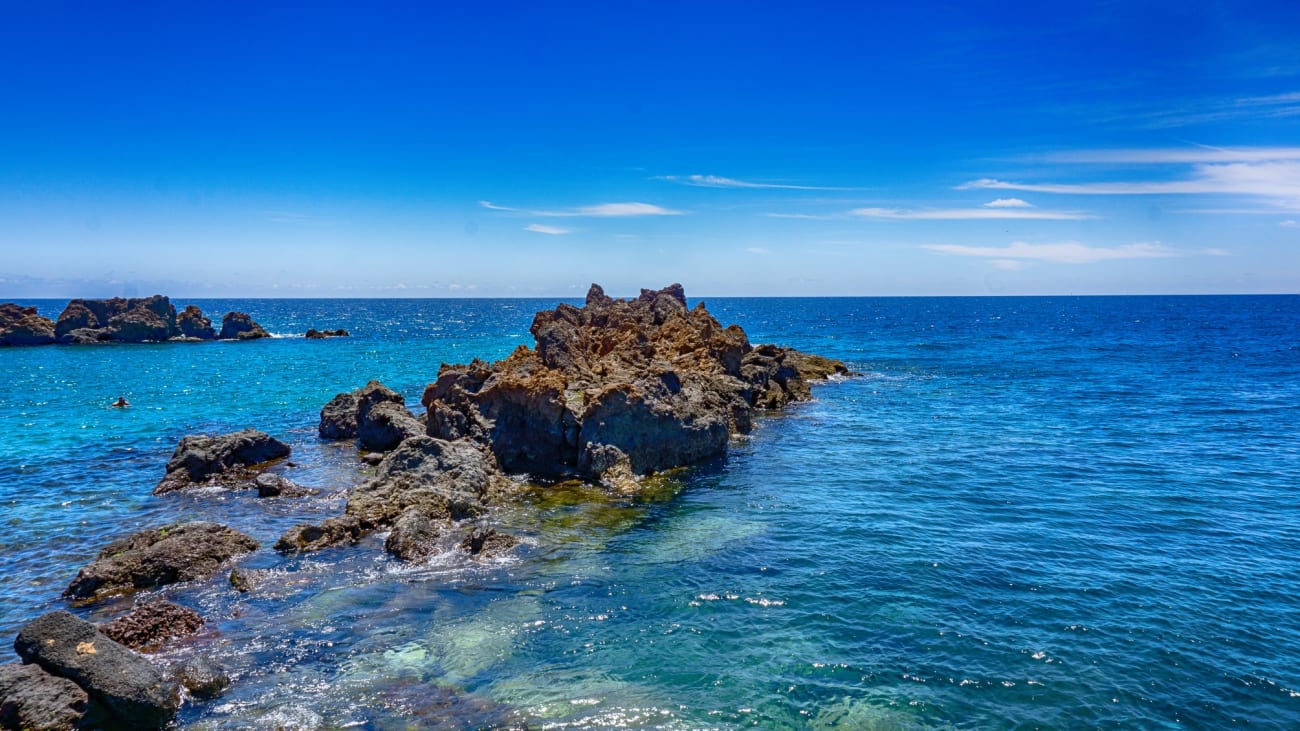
(1037, 512)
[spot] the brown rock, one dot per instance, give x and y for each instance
(240, 326)
(24, 326)
(305, 538)
(152, 623)
(159, 556)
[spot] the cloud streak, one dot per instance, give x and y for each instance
(1066, 252)
(599, 210)
(1279, 181)
(717, 181)
(968, 214)
(539, 228)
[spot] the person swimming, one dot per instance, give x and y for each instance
(121, 402)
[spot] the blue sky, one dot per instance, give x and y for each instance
(522, 149)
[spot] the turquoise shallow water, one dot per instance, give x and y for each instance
(1027, 513)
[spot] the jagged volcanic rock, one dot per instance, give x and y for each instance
(240, 326)
(158, 556)
(618, 388)
(23, 326)
(151, 623)
(226, 459)
(31, 698)
(137, 320)
(127, 684)
(193, 325)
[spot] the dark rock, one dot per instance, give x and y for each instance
(193, 325)
(240, 582)
(488, 543)
(616, 389)
(127, 684)
(202, 677)
(269, 485)
(221, 460)
(146, 319)
(239, 326)
(414, 536)
(87, 336)
(23, 326)
(443, 480)
(159, 556)
(338, 531)
(372, 458)
(31, 698)
(386, 425)
(151, 623)
(338, 418)
(314, 334)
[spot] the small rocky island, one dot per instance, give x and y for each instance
(118, 320)
(614, 391)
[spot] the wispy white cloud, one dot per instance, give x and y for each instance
(1289, 223)
(1278, 181)
(550, 230)
(1067, 252)
(968, 214)
(1008, 203)
(716, 181)
(599, 210)
(1175, 155)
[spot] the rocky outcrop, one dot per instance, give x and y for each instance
(24, 326)
(159, 556)
(239, 326)
(375, 414)
(202, 677)
(314, 334)
(338, 418)
(228, 460)
(414, 536)
(269, 485)
(152, 623)
(617, 389)
(192, 325)
(123, 682)
(423, 478)
(488, 543)
(138, 320)
(31, 698)
(338, 531)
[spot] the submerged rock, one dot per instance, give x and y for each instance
(226, 459)
(269, 485)
(24, 326)
(240, 326)
(488, 543)
(159, 556)
(125, 683)
(151, 623)
(617, 389)
(31, 698)
(202, 677)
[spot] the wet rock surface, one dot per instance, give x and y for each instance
(618, 388)
(314, 334)
(337, 531)
(225, 460)
(152, 623)
(202, 677)
(24, 326)
(159, 556)
(31, 698)
(414, 536)
(127, 685)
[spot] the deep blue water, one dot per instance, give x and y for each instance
(1027, 513)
